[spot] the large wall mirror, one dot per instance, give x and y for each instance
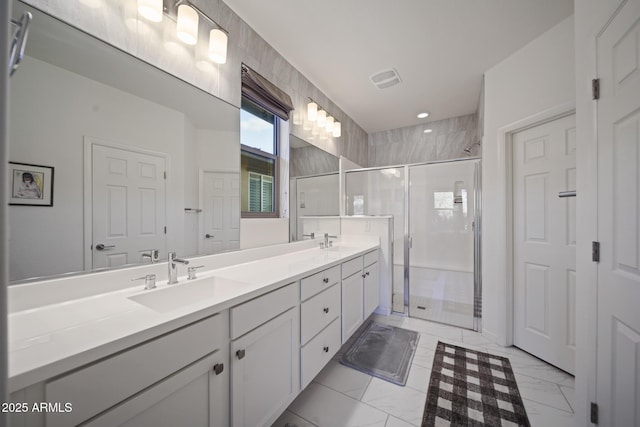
(129, 158)
(314, 185)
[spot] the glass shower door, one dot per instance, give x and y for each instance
(382, 192)
(441, 240)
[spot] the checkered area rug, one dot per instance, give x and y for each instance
(472, 388)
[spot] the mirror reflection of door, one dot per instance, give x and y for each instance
(220, 201)
(128, 207)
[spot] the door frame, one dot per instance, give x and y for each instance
(505, 147)
(88, 143)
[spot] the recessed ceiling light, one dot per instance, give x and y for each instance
(428, 130)
(423, 115)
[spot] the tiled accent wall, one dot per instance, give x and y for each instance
(411, 145)
(311, 161)
(116, 23)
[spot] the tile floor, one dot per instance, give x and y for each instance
(343, 397)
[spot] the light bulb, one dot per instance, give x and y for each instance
(337, 130)
(312, 111)
(187, 29)
(329, 125)
(218, 46)
(322, 118)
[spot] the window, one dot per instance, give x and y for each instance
(263, 106)
(259, 160)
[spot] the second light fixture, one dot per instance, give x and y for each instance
(323, 120)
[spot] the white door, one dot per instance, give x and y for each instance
(220, 201)
(128, 206)
(618, 375)
(544, 241)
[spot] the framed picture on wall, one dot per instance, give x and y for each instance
(31, 185)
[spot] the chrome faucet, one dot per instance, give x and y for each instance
(173, 268)
(328, 243)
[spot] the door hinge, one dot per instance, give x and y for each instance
(595, 251)
(594, 413)
(595, 89)
(165, 229)
(165, 174)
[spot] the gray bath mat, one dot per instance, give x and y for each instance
(383, 351)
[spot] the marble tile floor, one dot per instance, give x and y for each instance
(343, 397)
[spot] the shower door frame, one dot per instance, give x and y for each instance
(477, 232)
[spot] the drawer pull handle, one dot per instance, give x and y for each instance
(240, 354)
(218, 368)
(326, 349)
(325, 280)
(326, 309)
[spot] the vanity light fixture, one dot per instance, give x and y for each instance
(187, 24)
(187, 17)
(150, 9)
(423, 115)
(322, 120)
(428, 130)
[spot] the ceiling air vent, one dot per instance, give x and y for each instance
(385, 78)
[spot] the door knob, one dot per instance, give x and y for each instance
(326, 309)
(102, 246)
(325, 349)
(209, 236)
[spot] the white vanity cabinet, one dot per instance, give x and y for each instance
(371, 282)
(265, 357)
(352, 297)
(180, 378)
(320, 321)
(360, 291)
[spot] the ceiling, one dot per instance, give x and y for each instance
(440, 49)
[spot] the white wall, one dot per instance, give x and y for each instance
(255, 232)
(49, 122)
(538, 77)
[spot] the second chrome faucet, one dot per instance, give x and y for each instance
(173, 267)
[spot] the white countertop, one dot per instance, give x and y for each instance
(49, 340)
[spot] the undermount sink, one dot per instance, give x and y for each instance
(171, 297)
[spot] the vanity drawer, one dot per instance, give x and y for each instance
(102, 385)
(254, 313)
(351, 267)
(371, 257)
(319, 311)
(309, 286)
(318, 352)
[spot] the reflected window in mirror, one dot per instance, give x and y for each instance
(259, 161)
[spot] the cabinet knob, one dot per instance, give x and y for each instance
(326, 309)
(367, 273)
(326, 349)
(218, 368)
(325, 280)
(240, 354)
(364, 275)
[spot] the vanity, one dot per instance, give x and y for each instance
(234, 346)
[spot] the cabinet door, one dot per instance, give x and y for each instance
(195, 396)
(265, 371)
(371, 289)
(352, 304)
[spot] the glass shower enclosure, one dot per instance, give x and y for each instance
(436, 210)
